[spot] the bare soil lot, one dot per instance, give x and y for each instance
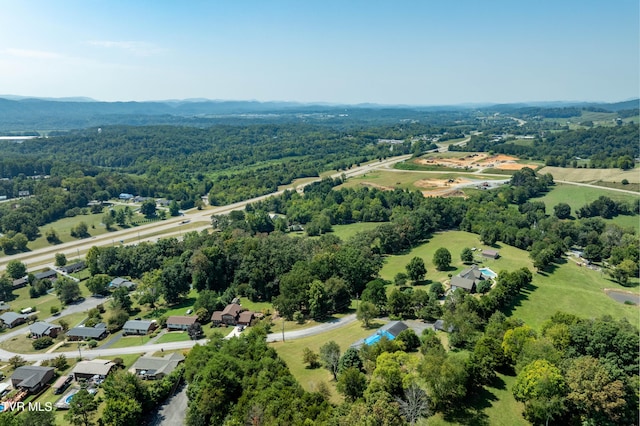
(476, 161)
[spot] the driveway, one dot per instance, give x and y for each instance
(173, 411)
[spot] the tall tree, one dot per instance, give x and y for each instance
(330, 357)
(542, 388)
(416, 269)
(366, 312)
(16, 269)
(82, 408)
(442, 259)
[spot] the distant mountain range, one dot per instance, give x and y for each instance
(19, 113)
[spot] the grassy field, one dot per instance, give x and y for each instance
(291, 353)
(347, 231)
(578, 196)
(569, 288)
(174, 336)
(592, 175)
(128, 341)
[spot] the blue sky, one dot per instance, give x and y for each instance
(421, 52)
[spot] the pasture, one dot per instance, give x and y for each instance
(592, 175)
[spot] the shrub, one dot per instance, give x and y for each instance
(484, 286)
(54, 310)
(92, 343)
(42, 342)
(298, 317)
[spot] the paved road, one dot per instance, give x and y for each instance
(173, 411)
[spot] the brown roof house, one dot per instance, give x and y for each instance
(245, 318)
(231, 315)
(90, 369)
(177, 322)
(31, 378)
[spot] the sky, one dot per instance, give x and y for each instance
(422, 52)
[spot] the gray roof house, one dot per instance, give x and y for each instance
(12, 319)
(154, 368)
(121, 282)
(94, 367)
(138, 327)
(390, 331)
(74, 267)
(87, 333)
(31, 378)
(41, 328)
(49, 274)
(20, 282)
(467, 279)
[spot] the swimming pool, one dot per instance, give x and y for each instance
(488, 272)
(68, 399)
(374, 338)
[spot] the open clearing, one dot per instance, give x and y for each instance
(592, 175)
(475, 161)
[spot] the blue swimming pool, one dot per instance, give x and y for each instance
(69, 398)
(488, 272)
(374, 338)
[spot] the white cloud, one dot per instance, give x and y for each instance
(28, 53)
(140, 48)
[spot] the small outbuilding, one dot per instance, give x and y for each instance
(491, 254)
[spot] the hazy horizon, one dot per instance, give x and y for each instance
(410, 53)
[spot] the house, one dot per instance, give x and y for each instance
(98, 332)
(24, 193)
(467, 279)
(139, 327)
(31, 378)
(177, 322)
(491, 254)
(49, 274)
(229, 315)
(4, 307)
(41, 329)
(61, 384)
(439, 326)
(390, 331)
(122, 282)
(20, 282)
(155, 368)
(74, 267)
(125, 196)
(90, 369)
(13, 319)
(245, 318)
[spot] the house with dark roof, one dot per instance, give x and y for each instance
(467, 279)
(245, 318)
(90, 369)
(155, 368)
(13, 319)
(390, 331)
(49, 274)
(98, 332)
(178, 322)
(121, 282)
(20, 282)
(139, 327)
(74, 267)
(31, 378)
(231, 315)
(41, 329)
(61, 384)
(4, 307)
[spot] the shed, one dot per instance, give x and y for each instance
(492, 254)
(61, 384)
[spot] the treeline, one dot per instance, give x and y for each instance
(614, 146)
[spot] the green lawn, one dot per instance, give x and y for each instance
(347, 231)
(291, 353)
(128, 341)
(174, 336)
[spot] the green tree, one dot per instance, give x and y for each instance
(350, 358)
(442, 259)
(67, 290)
(17, 361)
(120, 299)
(108, 219)
(174, 208)
(366, 312)
(61, 259)
(310, 358)
(52, 236)
(98, 284)
(318, 301)
(81, 230)
(416, 269)
(82, 408)
(150, 289)
(148, 209)
(20, 241)
(38, 418)
(330, 357)
(352, 383)
(466, 255)
(408, 340)
(16, 269)
(562, 210)
(514, 340)
(376, 293)
(541, 386)
(446, 378)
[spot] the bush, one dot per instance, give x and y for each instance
(92, 343)
(42, 342)
(54, 310)
(484, 286)
(298, 317)
(624, 182)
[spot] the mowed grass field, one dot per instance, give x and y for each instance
(407, 179)
(568, 288)
(577, 196)
(592, 175)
